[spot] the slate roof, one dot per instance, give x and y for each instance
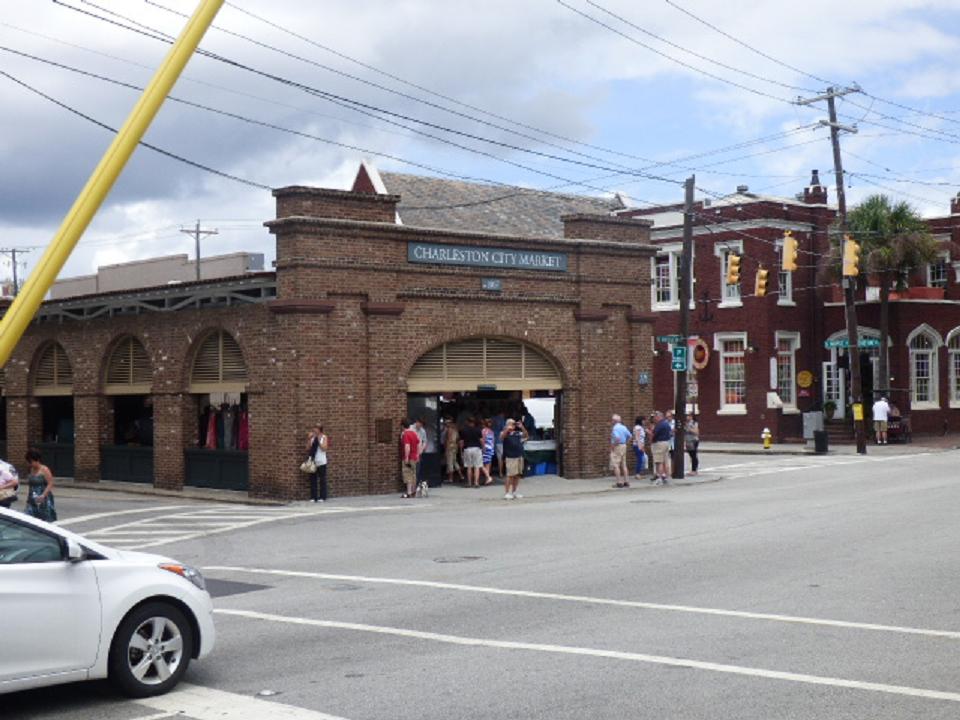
(459, 205)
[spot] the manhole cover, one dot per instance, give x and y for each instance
(458, 558)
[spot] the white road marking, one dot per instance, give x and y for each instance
(203, 522)
(953, 635)
(607, 654)
(97, 516)
(205, 703)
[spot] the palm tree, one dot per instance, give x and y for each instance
(895, 242)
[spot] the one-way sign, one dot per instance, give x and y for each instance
(679, 362)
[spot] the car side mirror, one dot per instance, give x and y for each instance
(74, 551)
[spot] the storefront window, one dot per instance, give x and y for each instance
(733, 373)
(787, 368)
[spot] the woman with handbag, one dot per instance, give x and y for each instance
(317, 444)
(40, 488)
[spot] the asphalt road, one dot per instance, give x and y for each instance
(795, 587)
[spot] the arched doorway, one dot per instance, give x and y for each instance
(128, 453)
(218, 385)
(487, 377)
(53, 388)
(836, 371)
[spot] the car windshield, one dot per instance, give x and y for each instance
(25, 544)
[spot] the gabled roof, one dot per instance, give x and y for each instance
(459, 205)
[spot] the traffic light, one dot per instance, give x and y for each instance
(788, 263)
(851, 257)
(733, 269)
(760, 288)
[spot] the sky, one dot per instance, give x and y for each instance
(578, 96)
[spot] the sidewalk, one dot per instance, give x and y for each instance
(920, 444)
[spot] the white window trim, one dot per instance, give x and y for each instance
(945, 258)
(952, 402)
(673, 251)
(934, 352)
(718, 340)
(719, 250)
(784, 299)
(794, 337)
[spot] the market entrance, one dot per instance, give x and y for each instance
(487, 379)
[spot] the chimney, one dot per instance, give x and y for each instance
(955, 205)
(815, 193)
(742, 189)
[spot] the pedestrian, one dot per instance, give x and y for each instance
(489, 443)
(661, 448)
(499, 423)
(881, 415)
(410, 458)
(513, 436)
(419, 426)
(9, 482)
(40, 502)
(451, 446)
(471, 440)
(691, 441)
(673, 434)
(639, 445)
(619, 439)
(317, 443)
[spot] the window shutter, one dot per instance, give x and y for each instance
(464, 365)
(53, 375)
(129, 371)
(218, 365)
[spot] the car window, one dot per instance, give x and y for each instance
(23, 544)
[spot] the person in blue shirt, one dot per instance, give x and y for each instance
(662, 435)
(619, 439)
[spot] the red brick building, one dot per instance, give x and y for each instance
(776, 343)
(367, 317)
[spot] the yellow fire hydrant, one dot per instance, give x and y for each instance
(767, 438)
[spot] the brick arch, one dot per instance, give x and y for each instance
(426, 344)
(112, 345)
(38, 352)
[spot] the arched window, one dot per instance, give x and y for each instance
(218, 365)
(465, 365)
(924, 370)
(953, 363)
(129, 371)
(53, 374)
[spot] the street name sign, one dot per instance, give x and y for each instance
(864, 342)
(674, 339)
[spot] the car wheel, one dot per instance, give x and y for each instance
(150, 650)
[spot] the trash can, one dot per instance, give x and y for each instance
(820, 442)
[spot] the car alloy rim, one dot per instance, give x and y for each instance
(155, 650)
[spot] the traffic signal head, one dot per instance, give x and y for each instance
(760, 288)
(733, 269)
(851, 257)
(788, 262)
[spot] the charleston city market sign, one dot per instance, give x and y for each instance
(486, 257)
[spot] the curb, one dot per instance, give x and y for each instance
(233, 497)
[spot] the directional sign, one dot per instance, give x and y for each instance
(673, 339)
(679, 359)
(864, 342)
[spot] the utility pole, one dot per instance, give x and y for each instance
(197, 232)
(12, 253)
(686, 257)
(849, 284)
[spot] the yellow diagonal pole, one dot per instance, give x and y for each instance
(27, 302)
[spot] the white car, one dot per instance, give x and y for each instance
(71, 609)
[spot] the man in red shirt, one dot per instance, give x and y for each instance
(410, 457)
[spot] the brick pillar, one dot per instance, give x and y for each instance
(23, 428)
(90, 413)
(277, 445)
(175, 423)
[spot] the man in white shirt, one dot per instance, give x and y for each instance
(881, 413)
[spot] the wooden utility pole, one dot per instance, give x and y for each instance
(197, 232)
(12, 252)
(849, 284)
(686, 257)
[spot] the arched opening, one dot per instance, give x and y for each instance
(489, 380)
(53, 388)
(128, 380)
(218, 385)
(836, 371)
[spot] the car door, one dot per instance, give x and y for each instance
(49, 607)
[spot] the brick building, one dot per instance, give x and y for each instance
(369, 315)
(776, 343)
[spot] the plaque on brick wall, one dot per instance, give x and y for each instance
(514, 258)
(384, 428)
